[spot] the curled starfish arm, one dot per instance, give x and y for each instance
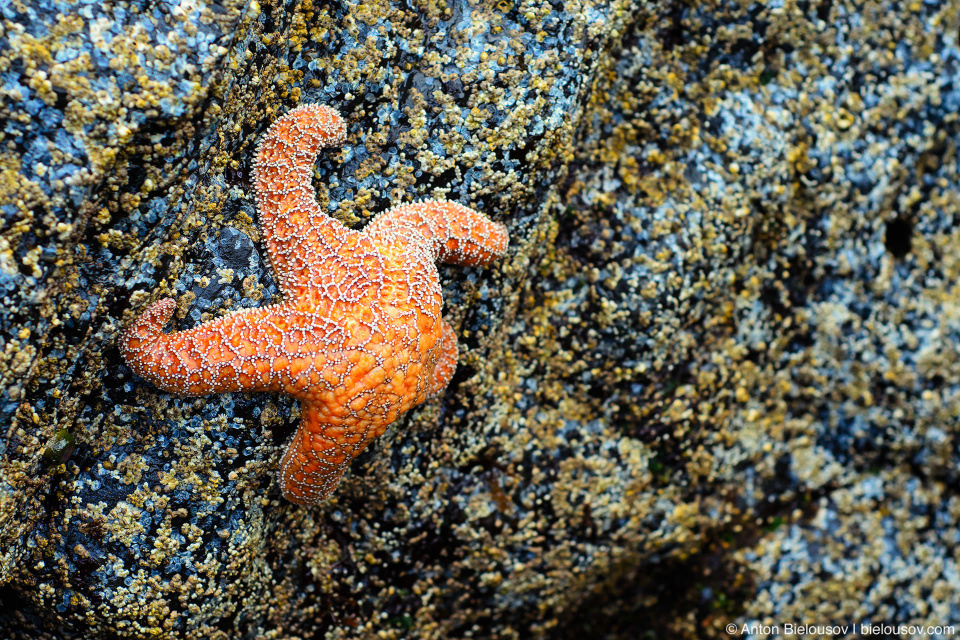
(297, 232)
(446, 363)
(319, 454)
(454, 233)
(251, 350)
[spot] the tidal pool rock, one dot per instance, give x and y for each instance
(715, 381)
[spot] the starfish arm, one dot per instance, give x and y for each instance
(298, 234)
(454, 233)
(447, 362)
(318, 454)
(251, 350)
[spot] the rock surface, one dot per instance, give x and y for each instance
(715, 381)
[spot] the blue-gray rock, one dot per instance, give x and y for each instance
(716, 380)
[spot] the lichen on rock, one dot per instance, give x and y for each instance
(716, 382)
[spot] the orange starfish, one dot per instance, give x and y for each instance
(359, 338)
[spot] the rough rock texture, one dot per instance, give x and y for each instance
(715, 381)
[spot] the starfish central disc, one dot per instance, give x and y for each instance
(359, 338)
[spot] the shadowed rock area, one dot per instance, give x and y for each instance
(716, 379)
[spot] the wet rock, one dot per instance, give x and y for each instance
(716, 380)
